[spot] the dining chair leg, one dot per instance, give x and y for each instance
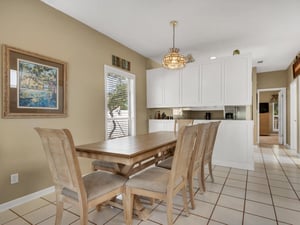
(201, 179)
(59, 212)
(210, 171)
(170, 210)
(128, 206)
(185, 202)
(84, 214)
(191, 191)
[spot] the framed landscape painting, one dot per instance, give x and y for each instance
(33, 85)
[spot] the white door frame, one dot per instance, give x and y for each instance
(293, 115)
(282, 118)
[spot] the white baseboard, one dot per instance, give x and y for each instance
(26, 198)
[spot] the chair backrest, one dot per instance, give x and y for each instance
(182, 156)
(211, 139)
(61, 155)
(179, 123)
(201, 145)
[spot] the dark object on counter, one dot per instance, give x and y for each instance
(229, 116)
(157, 115)
(163, 116)
(208, 116)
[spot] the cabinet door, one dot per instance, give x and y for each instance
(161, 125)
(171, 88)
(234, 145)
(155, 82)
(212, 83)
(190, 83)
(238, 87)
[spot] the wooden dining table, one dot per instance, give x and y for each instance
(132, 154)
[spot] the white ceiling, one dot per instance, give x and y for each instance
(268, 29)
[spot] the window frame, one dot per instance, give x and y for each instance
(131, 97)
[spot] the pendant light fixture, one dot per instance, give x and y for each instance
(174, 60)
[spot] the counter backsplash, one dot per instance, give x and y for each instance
(238, 113)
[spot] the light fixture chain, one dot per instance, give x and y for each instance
(174, 34)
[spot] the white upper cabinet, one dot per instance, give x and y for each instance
(163, 88)
(171, 88)
(212, 83)
(190, 85)
(155, 88)
(225, 81)
(237, 80)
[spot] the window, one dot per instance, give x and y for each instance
(119, 103)
(275, 116)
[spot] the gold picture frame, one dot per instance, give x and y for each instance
(34, 86)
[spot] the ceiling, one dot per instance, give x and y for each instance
(268, 29)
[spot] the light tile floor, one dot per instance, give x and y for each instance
(266, 196)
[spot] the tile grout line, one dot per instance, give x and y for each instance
(271, 195)
(212, 212)
(290, 183)
(21, 217)
(245, 197)
(291, 158)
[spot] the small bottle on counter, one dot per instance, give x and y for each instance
(157, 115)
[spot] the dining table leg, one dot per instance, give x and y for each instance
(139, 209)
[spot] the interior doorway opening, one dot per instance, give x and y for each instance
(271, 105)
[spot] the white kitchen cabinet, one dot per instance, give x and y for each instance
(234, 144)
(161, 125)
(212, 83)
(171, 88)
(237, 80)
(154, 88)
(225, 81)
(163, 88)
(190, 86)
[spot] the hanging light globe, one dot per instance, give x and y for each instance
(174, 60)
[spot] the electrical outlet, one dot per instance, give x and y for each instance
(14, 178)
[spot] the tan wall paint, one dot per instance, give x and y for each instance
(267, 95)
(31, 25)
(276, 79)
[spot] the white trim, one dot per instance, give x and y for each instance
(281, 90)
(132, 96)
(26, 198)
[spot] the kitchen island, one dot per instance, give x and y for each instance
(234, 142)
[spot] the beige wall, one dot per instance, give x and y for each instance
(276, 79)
(34, 26)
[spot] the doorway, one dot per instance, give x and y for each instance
(271, 114)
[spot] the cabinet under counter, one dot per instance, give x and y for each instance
(234, 142)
